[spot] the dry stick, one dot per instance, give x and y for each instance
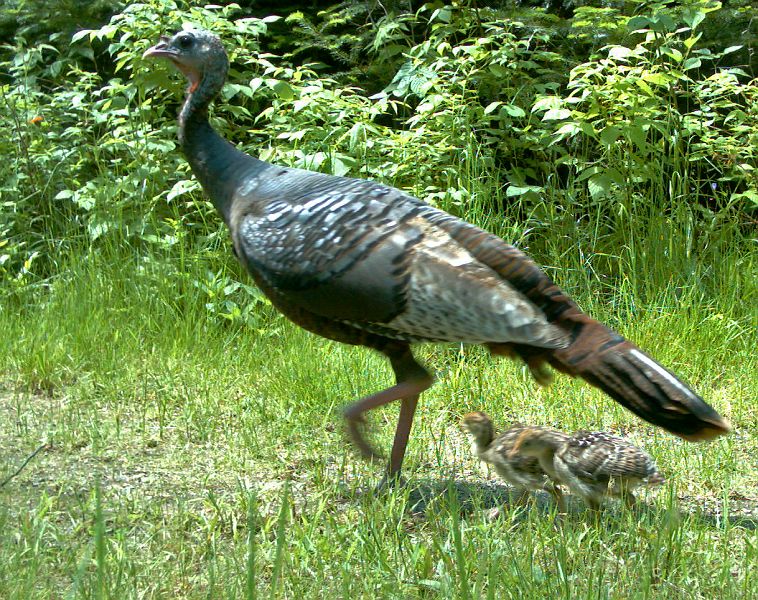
(26, 462)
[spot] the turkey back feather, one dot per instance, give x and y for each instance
(595, 353)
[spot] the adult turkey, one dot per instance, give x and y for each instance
(363, 263)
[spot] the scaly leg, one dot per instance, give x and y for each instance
(412, 379)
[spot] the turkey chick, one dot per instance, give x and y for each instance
(522, 472)
(592, 464)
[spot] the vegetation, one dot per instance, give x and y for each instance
(191, 441)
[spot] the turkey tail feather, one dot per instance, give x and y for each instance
(619, 368)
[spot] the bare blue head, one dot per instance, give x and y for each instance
(201, 57)
(219, 167)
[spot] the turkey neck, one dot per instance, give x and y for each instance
(218, 166)
(483, 438)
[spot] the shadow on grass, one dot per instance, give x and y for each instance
(427, 495)
(714, 518)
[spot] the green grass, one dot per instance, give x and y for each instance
(189, 458)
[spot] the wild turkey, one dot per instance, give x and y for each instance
(363, 263)
(522, 472)
(593, 464)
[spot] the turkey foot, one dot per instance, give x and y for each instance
(408, 392)
(354, 426)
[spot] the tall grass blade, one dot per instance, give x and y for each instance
(460, 556)
(252, 510)
(81, 568)
(100, 547)
(281, 531)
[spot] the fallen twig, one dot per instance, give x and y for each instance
(26, 462)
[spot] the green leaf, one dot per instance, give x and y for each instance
(255, 83)
(282, 89)
(619, 52)
(637, 23)
(514, 111)
(557, 114)
(599, 185)
(98, 227)
(84, 201)
(637, 135)
(568, 129)
(546, 103)
(80, 34)
(182, 187)
(441, 14)
(731, 49)
(692, 63)
(615, 176)
(693, 17)
(672, 52)
(657, 78)
(520, 190)
(357, 135)
(662, 23)
(589, 172)
(342, 164)
(588, 129)
(645, 87)
(750, 195)
(300, 104)
(609, 135)
(692, 40)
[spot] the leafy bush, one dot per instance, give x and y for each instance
(643, 120)
(89, 158)
(481, 114)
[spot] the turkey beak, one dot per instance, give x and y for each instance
(160, 50)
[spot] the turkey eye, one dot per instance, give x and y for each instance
(185, 41)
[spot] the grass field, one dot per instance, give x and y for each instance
(184, 458)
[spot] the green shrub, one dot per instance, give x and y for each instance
(483, 115)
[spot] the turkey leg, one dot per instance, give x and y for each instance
(412, 379)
